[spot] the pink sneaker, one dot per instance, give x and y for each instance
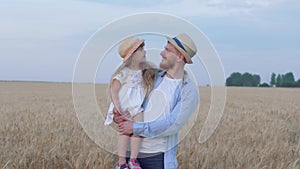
(133, 164)
(123, 166)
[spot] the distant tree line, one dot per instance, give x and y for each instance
(253, 80)
(246, 79)
(284, 80)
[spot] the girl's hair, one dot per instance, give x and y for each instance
(149, 75)
(148, 72)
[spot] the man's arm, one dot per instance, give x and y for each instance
(170, 124)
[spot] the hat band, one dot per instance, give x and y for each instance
(179, 43)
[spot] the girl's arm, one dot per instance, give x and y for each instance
(114, 94)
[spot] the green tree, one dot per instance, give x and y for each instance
(273, 79)
(298, 83)
(256, 80)
(288, 80)
(264, 85)
(247, 79)
(278, 80)
(235, 79)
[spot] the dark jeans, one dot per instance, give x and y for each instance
(151, 161)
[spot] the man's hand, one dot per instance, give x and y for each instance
(126, 127)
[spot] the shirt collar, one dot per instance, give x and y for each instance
(184, 78)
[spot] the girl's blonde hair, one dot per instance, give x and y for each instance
(148, 73)
(149, 76)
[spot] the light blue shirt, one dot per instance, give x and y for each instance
(186, 99)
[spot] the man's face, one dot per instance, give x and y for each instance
(170, 56)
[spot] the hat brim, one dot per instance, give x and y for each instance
(186, 56)
(133, 49)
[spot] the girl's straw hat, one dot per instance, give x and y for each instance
(128, 46)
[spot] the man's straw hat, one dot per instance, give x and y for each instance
(185, 45)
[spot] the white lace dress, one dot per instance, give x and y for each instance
(131, 94)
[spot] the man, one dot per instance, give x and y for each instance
(172, 100)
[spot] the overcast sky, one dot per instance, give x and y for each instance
(41, 40)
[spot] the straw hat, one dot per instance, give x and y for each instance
(185, 45)
(128, 46)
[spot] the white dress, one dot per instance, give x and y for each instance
(131, 94)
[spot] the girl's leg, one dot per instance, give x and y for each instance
(122, 148)
(135, 141)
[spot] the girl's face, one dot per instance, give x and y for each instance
(139, 56)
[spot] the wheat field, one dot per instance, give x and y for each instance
(39, 128)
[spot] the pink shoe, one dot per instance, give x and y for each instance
(133, 164)
(123, 166)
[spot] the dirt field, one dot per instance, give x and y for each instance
(39, 128)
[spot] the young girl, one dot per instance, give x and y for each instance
(129, 85)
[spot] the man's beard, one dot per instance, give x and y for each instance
(165, 66)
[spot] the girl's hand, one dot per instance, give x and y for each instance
(117, 110)
(117, 115)
(121, 116)
(126, 114)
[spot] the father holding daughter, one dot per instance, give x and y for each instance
(168, 106)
